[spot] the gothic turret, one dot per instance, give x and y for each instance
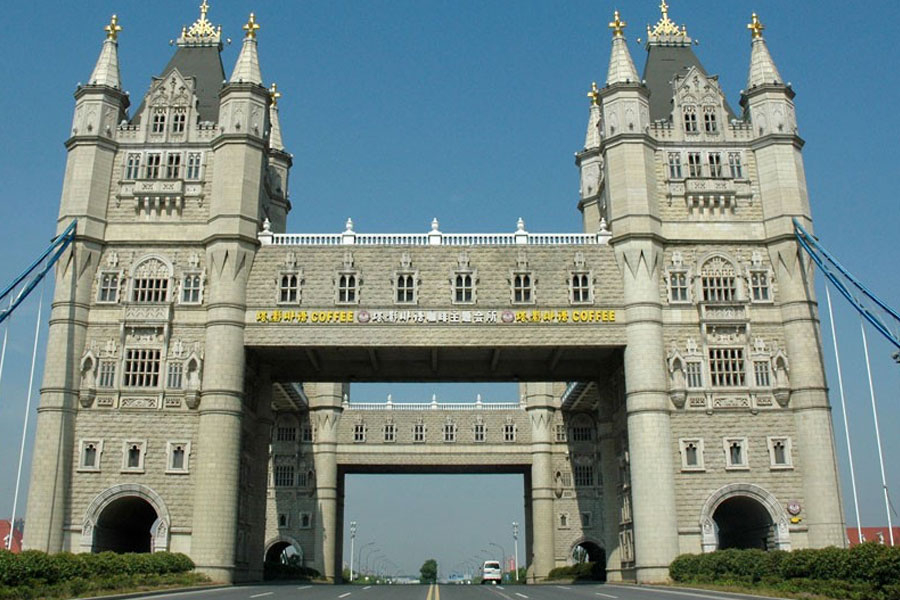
(767, 101)
(280, 162)
(106, 71)
(621, 66)
(762, 67)
(246, 69)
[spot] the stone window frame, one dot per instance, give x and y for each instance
(582, 428)
(98, 453)
(742, 443)
(389, 433)
(694, 374)
(562, 434)
(420, 433)
(193, 171)
(510, 432)
(282, 288)
(563, 520)
(194, 275)
(119, 275)
(626, 514)
(587, 519)
(719, 280)
(134, 161)
(284, 520)
(158, 119)
(584, 475)
(283, 471)
(179, 120)
(479, 433)
(697, 443)
(307, 433)
(684, 285)
(127, 446)
(107, 369)
(719, 365)
(359, 433)
(285, 431)
(173, 165)
(458, 287)
(788, 453)
(450, 429)
(306, 523)
(689, 119)
(626, 543)
(695, 164)
(584, 275)
(519, 284)
(674, 167)
(762, 372)
(153, 165)
(347, 282)
(185, 468)
(711, 120)
(163, 273)
(155, 378)
(175, 372)
(714, 164)
(759, 281)
(409, 278)
(736, 165)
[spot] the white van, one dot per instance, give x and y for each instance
(490, 572)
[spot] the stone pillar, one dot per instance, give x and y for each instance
(609, 469)
(259, 474)
(539, 404)
(51, 468)
(217, 478)
(325, 413)
(647, 408)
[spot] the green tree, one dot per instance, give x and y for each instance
(429, 571)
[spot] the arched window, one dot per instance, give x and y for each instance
(718, 280)
(150, 282)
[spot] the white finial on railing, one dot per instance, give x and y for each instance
(521, 235)
(604, 234)
(348, 238)
(265, 236)
(435, 237)
(346, 401)
(434, 403)
(477, 398)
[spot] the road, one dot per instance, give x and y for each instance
(283, 591)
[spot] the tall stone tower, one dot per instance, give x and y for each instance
(169, 201)
(718, 295)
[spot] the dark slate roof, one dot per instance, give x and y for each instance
(663, 64)
(204, 64)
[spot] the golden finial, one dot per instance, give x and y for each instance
(112, 30)
(274, 94)
(755, 27)
(665, 26)
(617, 25)
(251, 27)
(204, 8)
(594, 94)
(664, 9)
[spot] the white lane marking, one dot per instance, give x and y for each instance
(562, 587)
(521, 595)
(605, 595)
(368, 587)
(676, 593)
(345, 595)
(305, 587)
(261, 595)
(499, 587)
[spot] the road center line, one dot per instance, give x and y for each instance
(562, 587)
(368, 587)
(521, 595)
(304, 587)
(605, 595)
(262, 594)
(345, 595)
(430, 593)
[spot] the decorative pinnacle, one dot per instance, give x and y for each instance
(617, 25)
(665, 26)
(274, 94)
(594, 94)
(112, 30)
(251, 27)
(204, 8)
(755, 27)
(664, 9)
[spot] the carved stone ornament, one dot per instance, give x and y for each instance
(86, 398)
(192, 400)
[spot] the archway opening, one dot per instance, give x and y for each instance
(283, 553)
(593, 557)
(744, 523)
(124, 526)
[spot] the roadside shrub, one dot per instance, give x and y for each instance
(685, 567)
(586, 571)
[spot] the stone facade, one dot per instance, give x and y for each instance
(197, 372)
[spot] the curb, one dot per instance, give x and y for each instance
(172, 590)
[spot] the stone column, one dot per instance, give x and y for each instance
(51, 468)
(647, 409)
(609, 469)
(539, 404)
(325, 407)
(259, 473)
(217, 477)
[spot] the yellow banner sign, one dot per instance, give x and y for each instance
(434, 317)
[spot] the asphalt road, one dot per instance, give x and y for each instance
(283, 591)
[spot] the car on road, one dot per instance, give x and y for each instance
(490, 572)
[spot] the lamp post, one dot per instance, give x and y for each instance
(352, 540)
(516, 546)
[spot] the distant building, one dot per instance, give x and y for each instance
(17, 535)
(872, 534)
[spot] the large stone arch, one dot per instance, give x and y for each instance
(596, 555)
(780, 519)
(159, 530)
(284, 541)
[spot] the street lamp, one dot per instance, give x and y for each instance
(352, 539)
(516, 546)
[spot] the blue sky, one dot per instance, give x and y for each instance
(397, 112)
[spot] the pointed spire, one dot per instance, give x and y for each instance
(246, 69)
(592, 137)
(762, 68)
(621, 66)
(106, 71)
(275, 141)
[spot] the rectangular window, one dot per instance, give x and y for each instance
(691, 455)
(759, 286)
(109, 287)
(695, 164)
(522, 288)
(561, 433)
(780, 453)
(585, 519)
(306, 434)
(154, 163)
(715, 164)
(761, 373)
(690, 120)
(693, 374)
(419, 432)
(178, 457)
(305, 520)
(173, 165)
(719, 288)
(90, 455)
(175, 375)
(107, 374)
(581, 288)
(463, 291)
(479, 432)
(347, 288)
(675, 165)
(359, 432)
(736, 453)
(133, 456)
(734, 163)
(584, 475)
(582, 433)
(509, 432)
(284, 475)
(190, 288)
(142, 368)
(302, 479)
(286, 433)
(678, 286)
(289, 288)
(133, 165)
(726, 367)
(179, 120)
(149, 290)
(406, 289)
(449, 432)
(709, 122)
(159, 121)
(193, 166)
(389, 432)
